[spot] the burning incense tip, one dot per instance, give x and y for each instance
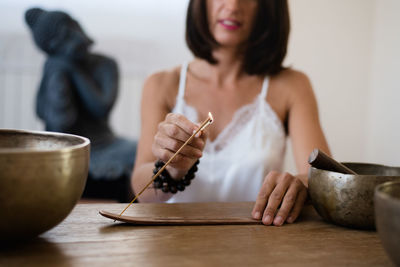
(204, 125)
(210, 116)
(207, 122)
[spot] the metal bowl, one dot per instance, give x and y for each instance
(42, 176)
(347, 199)
(387, 218)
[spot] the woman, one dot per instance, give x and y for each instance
(237, 75)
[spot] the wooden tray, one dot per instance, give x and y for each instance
(185, 214)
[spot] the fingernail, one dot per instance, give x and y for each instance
(289, 219)
(257, 215)
(267, 219)
(278, 221)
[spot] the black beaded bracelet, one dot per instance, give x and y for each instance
(167, 183)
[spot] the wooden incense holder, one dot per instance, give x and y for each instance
(200, 213)
(320, 160)
(154, 220)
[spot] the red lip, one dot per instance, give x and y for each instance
(230, 24)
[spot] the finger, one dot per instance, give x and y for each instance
(200, 139)
(182, 122)
(262, 197)
(175, 132)
(287, 204)
(275, 199)
(204, 134)
(179, 161)
(166, 142)
(301, 198)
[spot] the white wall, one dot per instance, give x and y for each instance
(383, 144)
(349, 49)
(143, 36)
(331, 42)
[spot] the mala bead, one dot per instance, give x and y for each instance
(167, 184)
(189, 176)
(165, 188)
(194, 168)
(158, 183)
(159, 164)
(180, 187)
(173, 189)
(186, 182)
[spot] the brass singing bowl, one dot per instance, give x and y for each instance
(42, 176)
(387, 218)
(347, 199)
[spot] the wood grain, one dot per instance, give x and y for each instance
(85, 238)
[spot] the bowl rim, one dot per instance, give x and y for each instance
(378, 191)
(85, 142)
(356, 175)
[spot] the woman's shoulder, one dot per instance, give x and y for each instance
(166, 77)
(291, 78)
(293, 82)
(163, 85)
(163, 80)
(289, 88)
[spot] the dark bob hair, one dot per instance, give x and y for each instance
(267, 44)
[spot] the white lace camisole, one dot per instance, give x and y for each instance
(234, 165)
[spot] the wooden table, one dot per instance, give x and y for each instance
(85, 238)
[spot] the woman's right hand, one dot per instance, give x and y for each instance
(172, 133)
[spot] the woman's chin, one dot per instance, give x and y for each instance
(229, 41)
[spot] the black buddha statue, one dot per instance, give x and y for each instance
(76, 95)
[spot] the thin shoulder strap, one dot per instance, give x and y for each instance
(182, 81)
(264, 88)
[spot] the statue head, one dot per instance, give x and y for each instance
(56, 33)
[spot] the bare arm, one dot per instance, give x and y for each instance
(162, 133)
(304, 125)
(283, 189)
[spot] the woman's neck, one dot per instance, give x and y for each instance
(227, 71)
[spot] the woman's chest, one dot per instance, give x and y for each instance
(232, 110)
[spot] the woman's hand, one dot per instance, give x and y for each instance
(171, 135)
(279, 189)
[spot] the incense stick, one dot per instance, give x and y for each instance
(203, 126)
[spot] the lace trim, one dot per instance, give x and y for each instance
(241, 117)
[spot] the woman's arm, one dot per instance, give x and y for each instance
(283, 189)
(162, 133)
(304, 126)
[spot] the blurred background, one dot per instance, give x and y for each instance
(349, 49)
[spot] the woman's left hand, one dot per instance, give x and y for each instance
(282, 189)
